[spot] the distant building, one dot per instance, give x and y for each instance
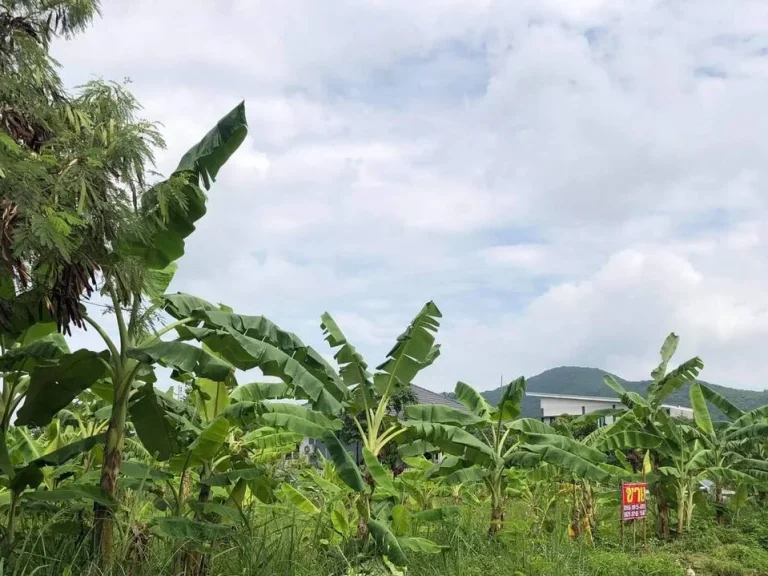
(554, 405)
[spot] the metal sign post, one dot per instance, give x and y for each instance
(621, 516)
(645, 519)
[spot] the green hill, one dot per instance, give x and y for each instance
(579, 381)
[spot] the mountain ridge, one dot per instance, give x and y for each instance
(584, 381)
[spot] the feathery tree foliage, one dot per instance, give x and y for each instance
(78, 213)
(72, 166)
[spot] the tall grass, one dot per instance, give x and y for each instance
(271, 544)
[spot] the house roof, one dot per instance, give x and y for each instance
(428, 397)
(424, 396)
(571, 397)
(604, 399)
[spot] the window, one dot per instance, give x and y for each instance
(601, 421)
(583, 410)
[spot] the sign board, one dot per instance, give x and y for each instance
(633, 500)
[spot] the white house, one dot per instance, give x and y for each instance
(554, 405)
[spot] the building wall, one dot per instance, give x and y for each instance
(310, 445)
(679, 412)
(551, 408)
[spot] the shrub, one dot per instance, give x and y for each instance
(749, 557)
(701, 539)
(715, 567)
(756, 526)
(613, 563)
(657, 565)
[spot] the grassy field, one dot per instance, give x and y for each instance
(213, 483)
(271, 541)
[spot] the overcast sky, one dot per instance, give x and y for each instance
(569, 180)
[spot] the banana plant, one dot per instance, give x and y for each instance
(488, 441)
(257, 430)
(28, 343)
(645, 424)
(721, 446)
(198, 442)
(758, 451)
(27, 349)
(370, 395)
(201, 454)
(265, 429)
(682, 470)
(420, 482)
(369, 408)
(248, 342)
(39, 346)
(580, 491)
(27, 462)
(145, 262)
(224, 436)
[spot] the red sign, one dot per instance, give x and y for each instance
(633, 500)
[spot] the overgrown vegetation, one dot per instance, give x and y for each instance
(101, 472)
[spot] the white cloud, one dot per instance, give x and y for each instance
(617, 319)
(569, 180)
(526, 256)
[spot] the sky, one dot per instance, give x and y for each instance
(568, 180)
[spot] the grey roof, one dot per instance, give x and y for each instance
(424, 396)
(428, 397)
(606, 399)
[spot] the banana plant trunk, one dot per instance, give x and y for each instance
(497, 518)
(186, 489)
(662, 505)
(123, 373)
(497, 506)
(181, 561)
(6, 546)
(589, 506)
(204, 496)
(662, 514)
(495, 486)
(10, 527)
(363, 508)
(113, 450)
(196, 563)
(682, 512)
(689, 509)
(720, 502)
